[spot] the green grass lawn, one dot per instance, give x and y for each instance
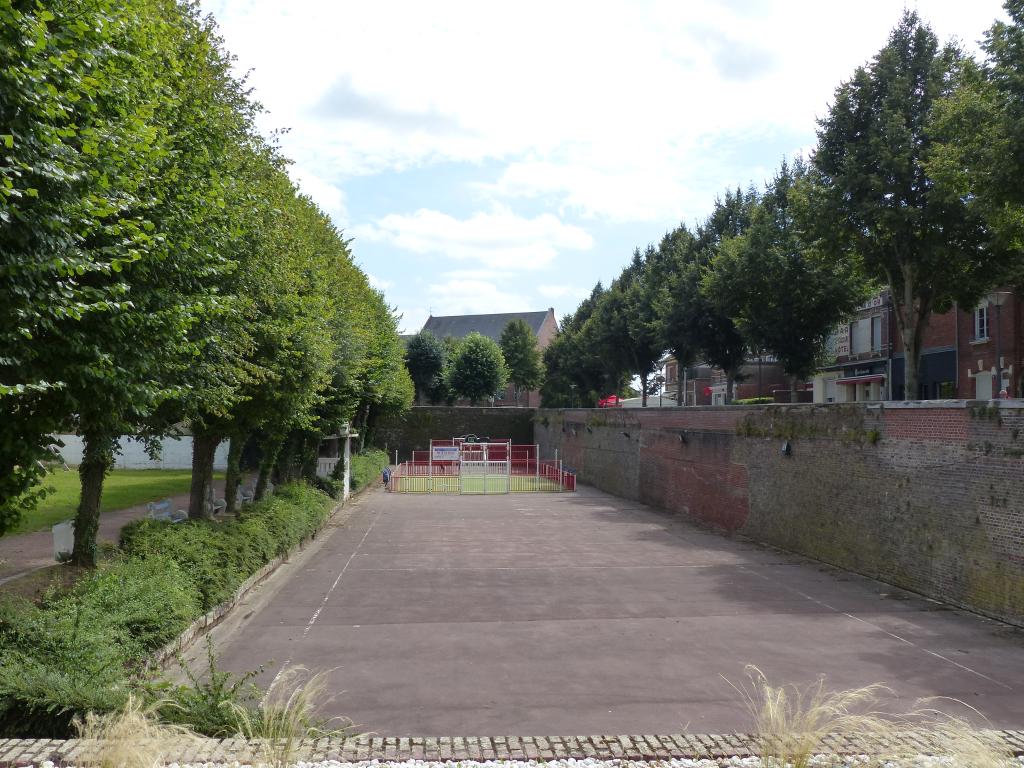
(122, 488)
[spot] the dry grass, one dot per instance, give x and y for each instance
(131, 738)
(287, 717)
(958, 736)
(792, 722)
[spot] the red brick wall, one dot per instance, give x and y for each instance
(929, 497)
(955, 328)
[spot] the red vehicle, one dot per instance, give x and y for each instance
(612, 401)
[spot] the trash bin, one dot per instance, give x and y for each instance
(63, 540)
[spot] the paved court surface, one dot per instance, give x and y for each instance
(582, 613)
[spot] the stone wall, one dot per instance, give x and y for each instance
(928, 496)
(413, 430)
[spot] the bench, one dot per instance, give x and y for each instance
(214, 505)
(245, 493)
(161, 510)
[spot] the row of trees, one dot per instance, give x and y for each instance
(474, 367)
(159, 267)
(914, 185)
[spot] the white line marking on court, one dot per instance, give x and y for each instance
(547, 567)
(327, 596)
(883, 631)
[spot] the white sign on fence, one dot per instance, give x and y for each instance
(444, 453)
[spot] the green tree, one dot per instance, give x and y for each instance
(979, 132)
(574, 372)
(784, 295)
(522, 356)
(676, 295)
(117, 357)
(477, 370)
(909, 230)
(77, 150)
(425, 359)
(714, 331)
(441, 391)
(628, 323)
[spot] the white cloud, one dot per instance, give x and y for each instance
(380, 285)
(622, 110)
(330, 197)
(499, 239)
(462, 297)
(562, 291)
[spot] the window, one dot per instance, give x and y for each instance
(981, 322)
(861, 336)
(876, 333)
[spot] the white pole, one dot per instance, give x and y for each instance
(430, 469)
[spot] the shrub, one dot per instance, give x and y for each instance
(754, 401)
(209, 704)
(221, 555)
(367, 468)
(330, 485)
(51, 669)
(86, 650)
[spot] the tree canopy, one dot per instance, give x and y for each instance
(783, 293)
(910, 232)
(478, 369)
(160, 270)
(914, 185)
(522, 357)
(425, 358)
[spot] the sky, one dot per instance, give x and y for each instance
(500, 157)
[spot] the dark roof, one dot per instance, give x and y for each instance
(458, 326)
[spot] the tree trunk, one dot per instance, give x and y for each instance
(643, 390)
(730, 381)
(204, 444)
(310, 456)
(233, 476)
(793, 397)
(911, 319)
(266, 466)
(362, 416)
(911, 354)
(284, 460)
(97, 459)
(680, 392)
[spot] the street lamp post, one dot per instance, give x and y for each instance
(997, 298)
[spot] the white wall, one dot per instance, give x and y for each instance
(176, 453)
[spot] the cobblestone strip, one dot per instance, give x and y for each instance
(22, 752)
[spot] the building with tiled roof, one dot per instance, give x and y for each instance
(543, 324)
(491, 326)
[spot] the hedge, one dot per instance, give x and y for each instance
(367, 468)
(87, 648)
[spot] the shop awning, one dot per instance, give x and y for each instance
(868, 379)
